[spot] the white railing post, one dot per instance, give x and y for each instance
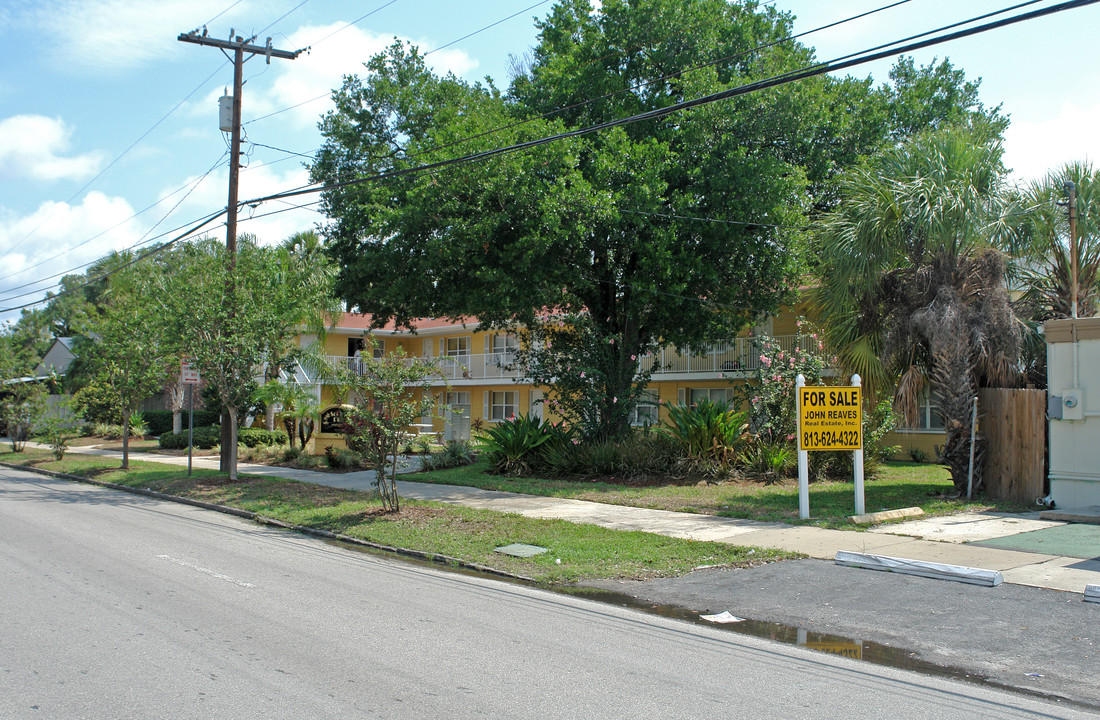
(803, 456)
(857, 456)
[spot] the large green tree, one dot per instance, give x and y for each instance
(590, 226)
(911, 283)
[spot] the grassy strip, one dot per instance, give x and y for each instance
(899, 485)
(585, 551)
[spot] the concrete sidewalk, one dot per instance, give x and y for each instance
(947, 539)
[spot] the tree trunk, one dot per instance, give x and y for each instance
(126, 443)
(270, 416)
(229, 454)
(229, 425)
(177, 422)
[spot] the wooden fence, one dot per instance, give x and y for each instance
(1014, 424)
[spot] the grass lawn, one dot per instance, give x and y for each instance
(585, 551)
(900, 484)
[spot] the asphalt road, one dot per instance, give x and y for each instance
(119, 606)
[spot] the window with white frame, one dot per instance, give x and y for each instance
(503, 404)
(457, 347)
(459, 400)
(505, 344)
(721, 396)
(929, 417)
(646, 411)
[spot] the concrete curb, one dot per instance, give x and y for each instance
(922, 568)
(262, 520)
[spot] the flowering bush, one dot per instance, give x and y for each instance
(773, 394)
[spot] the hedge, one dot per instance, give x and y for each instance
(259, 436)
(160, 421)
(206, 437)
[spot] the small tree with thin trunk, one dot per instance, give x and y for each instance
(125, 345)
(385, 404)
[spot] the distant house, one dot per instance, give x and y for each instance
(58, 358)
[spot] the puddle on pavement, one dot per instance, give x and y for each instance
(849, 647)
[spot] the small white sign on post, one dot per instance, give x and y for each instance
(189, 374)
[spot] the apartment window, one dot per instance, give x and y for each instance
(645, 412)
(929, 417)
(459, 400)
(505, 344)
(721, 396)
(503, 404)
(458, 347)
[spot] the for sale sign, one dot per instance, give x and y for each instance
(830, 418)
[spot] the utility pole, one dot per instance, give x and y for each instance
(239, 46)
(1072, 190)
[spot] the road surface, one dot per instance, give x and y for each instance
(119, 606)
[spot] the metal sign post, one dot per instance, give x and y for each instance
(190, 377)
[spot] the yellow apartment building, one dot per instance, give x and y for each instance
(478, 385)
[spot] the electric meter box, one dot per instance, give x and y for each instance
(1073, 404)
(225, 113)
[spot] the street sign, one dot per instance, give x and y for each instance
(189, 374)
(830, 418)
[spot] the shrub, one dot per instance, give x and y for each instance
(204, 438)
(87, 429)
(253, 437)
(308, 462)
(138, 426)
(108, 431)
(708, 431)
(342, 458)
(511, 445)
(772, 460)
(454, 454)
(289, 453)
(917, 455)
(160, 421)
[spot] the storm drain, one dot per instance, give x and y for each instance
(521, 550)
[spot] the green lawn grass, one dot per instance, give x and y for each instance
(899, 484)
(585, 551)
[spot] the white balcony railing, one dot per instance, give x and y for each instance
(738, 356)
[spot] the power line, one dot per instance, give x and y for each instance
(841, 63)
(193, 184)
(490, 25)
(191, 231)
(121, 155)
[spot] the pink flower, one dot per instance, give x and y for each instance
(813, 335)
(576, 441)
(780, 356)
(582, 374)
(633, 357)
(614, 400)
(766, 360)
(820, 345)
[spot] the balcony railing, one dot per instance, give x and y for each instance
(738, 356)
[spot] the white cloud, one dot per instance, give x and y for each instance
(1034, 148)
(119, 33)
(59, 238)
(32, 146)
(308, 80)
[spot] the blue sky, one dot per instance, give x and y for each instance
(103, 113)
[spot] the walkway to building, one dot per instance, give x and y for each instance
(1012, 544)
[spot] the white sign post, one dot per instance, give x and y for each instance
(190, 377)
(803, 456)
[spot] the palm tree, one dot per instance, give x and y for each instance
(912, 286)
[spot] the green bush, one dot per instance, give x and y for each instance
(253, 437)
(708, 431)
(454, 454)
(138, 426)
(342, 458)
(160, 421)
(204, 438)
(771, 460)
(511, 445)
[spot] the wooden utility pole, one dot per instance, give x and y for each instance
(1072, 189)
(239, 46)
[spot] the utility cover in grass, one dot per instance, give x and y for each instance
(521, 550)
